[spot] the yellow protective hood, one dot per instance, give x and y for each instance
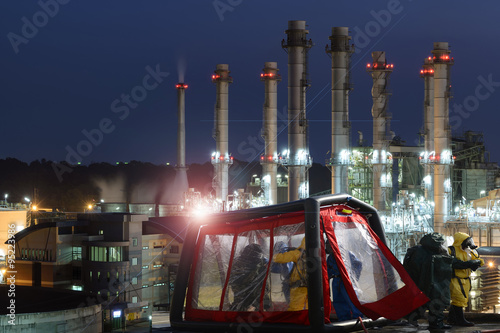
(303, 244)
(459, 238)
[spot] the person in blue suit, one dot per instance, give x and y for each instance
(344, 308)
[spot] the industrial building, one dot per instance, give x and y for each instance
(417, 188)
(446, 183)
(127, 261)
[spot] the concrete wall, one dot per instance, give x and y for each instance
(8, 217)
(79, 320)
(156, 278)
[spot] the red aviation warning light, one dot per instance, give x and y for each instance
(270, 75)
(181, 86)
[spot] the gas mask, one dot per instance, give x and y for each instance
(468, 244)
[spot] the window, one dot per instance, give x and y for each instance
(134, 261)
(101, 232)
(174, 249)
(134, 299)
(134, 241)
(134, 280)
(105, 254)
(157, 266)
(77, 252)
(145, 267)
(145, 247)
(115, 253)
(98, 253)
(145, 285)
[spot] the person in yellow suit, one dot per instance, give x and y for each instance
(466, 260)
(298, 276)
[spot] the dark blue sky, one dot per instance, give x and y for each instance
(82, 57)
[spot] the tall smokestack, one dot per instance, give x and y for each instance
(443, 158)
(181, 125)
(221, 158)
(340, 51)
(297, 158)
(381, 159)
(427, 73)
(269, 161)
(181, 180)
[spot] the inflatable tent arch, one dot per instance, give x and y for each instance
(213, 247)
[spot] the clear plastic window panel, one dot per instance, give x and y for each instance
(211, 268)
(247, 280)
(371, 274)
(286, 238)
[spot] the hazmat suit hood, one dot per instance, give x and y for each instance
(302, 244)
(459, 237)
(434, 242)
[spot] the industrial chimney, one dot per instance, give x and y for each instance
(269, 160)
(427, 73)
(181, 180)
(381, 158)
(340, 51)
(443, 158)
(297, 158)
(221, 158)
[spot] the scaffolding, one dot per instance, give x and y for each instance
(360, 174)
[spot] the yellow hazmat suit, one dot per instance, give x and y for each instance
(298, 290)
(460, 284)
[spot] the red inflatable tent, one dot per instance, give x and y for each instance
(230, 275)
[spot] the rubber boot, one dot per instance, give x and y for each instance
(452, 319)
(460, 319)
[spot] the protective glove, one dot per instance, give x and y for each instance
(474, 264)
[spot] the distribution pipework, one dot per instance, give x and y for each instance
(381, 160)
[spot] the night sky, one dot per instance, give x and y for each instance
(67, 76)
